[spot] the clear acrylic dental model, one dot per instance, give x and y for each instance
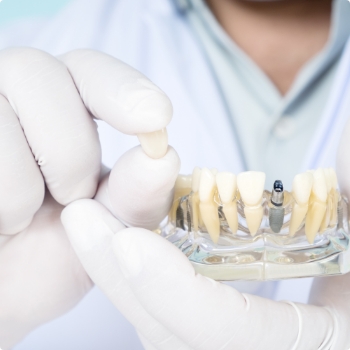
(230, 228)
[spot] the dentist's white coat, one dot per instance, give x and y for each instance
(154, 37)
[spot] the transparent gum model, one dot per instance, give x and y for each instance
(302, 233)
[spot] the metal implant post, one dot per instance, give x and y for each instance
(276, 212)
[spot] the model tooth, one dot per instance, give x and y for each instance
(182, 188)
(329, 179)
(155, 144)
(334, 194)
(183, 185)
(214, 171)
(208, 208)
(327, 215)
(195, 197)
(251, 187)
(319, 187)
(302, 185)
(317, 205)
(196, 175)
(227, 187)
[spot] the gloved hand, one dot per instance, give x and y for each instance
(153, 284)
(48, 138)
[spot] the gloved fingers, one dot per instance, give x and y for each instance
(145, 342)
(41, 277)
(90, 228)
(61, 134)
(333, 293)
(206, 314)
(171, 343)
(21, 184)
(141, 188)
(121, 96)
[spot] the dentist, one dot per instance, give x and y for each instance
(250, 82)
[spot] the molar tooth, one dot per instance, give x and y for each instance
(334, 198)
(327, 215)
(208, 208)
(251, 187)
(195, 197)
(227, 187)
(317, 205)
(302, 185)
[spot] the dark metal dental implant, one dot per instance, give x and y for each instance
(276, 210)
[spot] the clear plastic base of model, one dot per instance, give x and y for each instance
(308, 250)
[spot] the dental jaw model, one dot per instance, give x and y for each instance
(231, 228)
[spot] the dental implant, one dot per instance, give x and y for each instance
(276, 210)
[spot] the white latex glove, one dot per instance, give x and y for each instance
(154, 285)
(48, 138)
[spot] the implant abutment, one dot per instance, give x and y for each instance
(276, 211)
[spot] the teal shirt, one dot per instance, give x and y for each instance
(272, 131)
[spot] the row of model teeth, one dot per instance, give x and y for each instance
(314, 192)
(316, 198)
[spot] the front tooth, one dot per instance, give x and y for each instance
(317, 205)
(208, 208)
(251, 187)
(155, 144)
(227, 187)
(195, 197)
(302, 185)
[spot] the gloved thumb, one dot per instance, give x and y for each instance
(140, 189)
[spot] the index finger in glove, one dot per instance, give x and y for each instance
(122, 96)
(206, 314)
(60, 132)
(21, 183)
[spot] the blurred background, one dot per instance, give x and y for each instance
(11, 10)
